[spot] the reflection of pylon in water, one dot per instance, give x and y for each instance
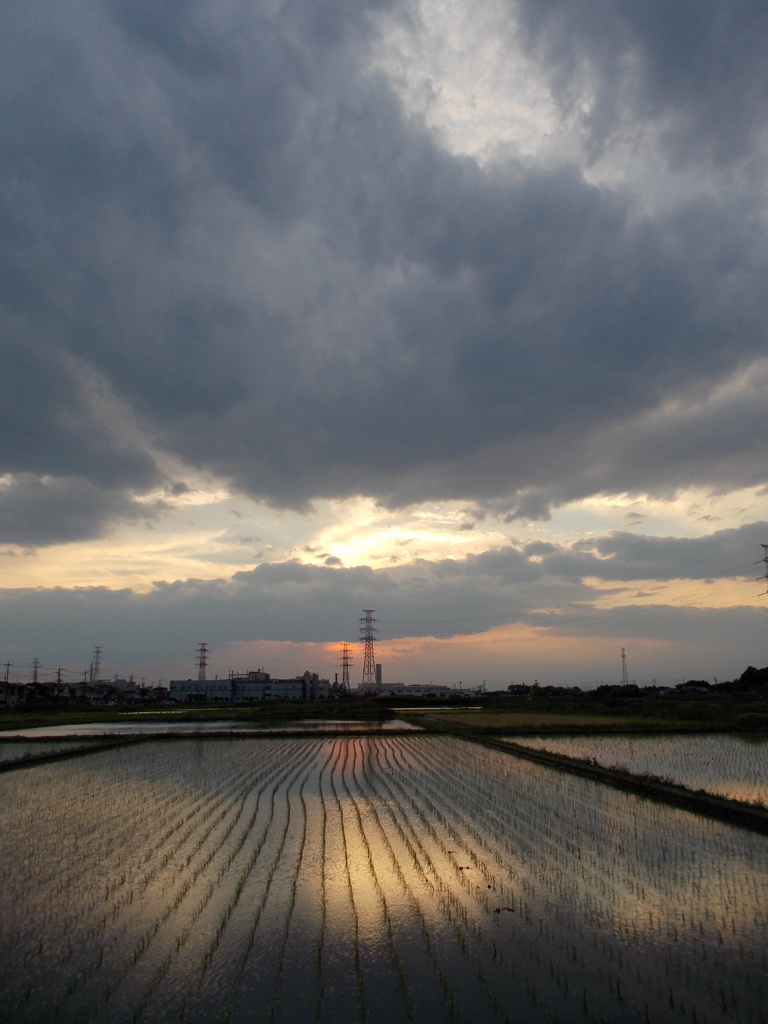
(624, 679)
(367, 631)
(346, 661)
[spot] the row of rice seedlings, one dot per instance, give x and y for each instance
(292, 973)
(184, 839)
(524, 908)
(179, 933)
(280, 974)
(60, 846)
(355, 911)
(192, 865)
(255, 874)
(60, 806)
(448, 839)
(451, 961)
(460, 828)
(139, 944)
(25, 879)
(373, 880)
(283, 856)
(303, 959)
(490, 958)
(557, 876)
(556, 972)
(98, 835)
(320, 946)
(168, 854)
(599, 881)
(682, 865)
(69, 962)
(730, 766)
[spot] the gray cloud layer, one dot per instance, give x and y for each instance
(220, 213)
(447, 598)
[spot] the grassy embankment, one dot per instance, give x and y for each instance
(490, 715)
(593, 714)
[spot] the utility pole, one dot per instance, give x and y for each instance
(35, 669)
(367, 632)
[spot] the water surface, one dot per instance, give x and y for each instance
(142, 727)
(383, 879)
(732, 766)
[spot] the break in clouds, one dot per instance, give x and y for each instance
(229, 234)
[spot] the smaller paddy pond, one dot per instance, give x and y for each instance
(735, 767)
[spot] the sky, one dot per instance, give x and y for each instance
(451, 309)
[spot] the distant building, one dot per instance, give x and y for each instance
(248, 687)
(211, 691)
(428, 690)
(11, 693)
(413, 689)
(391, 689)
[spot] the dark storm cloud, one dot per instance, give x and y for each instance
(36, 511)
(698, 64)
(617, 557)
(221, 213)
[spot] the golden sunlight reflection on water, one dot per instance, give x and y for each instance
(366, 879)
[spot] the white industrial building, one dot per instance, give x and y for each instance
(248, 687)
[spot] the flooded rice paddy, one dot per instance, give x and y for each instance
(731, 766)
(379, 879)
(19, 750)
(140, 725)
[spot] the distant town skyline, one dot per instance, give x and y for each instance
(456, 311)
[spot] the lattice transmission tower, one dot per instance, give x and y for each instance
(201, 661)
(764, 561)
(346, 662)
(95, 674)
(624, 676)
(367, 632)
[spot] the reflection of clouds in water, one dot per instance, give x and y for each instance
(730, 766)
(664, 870)
(138, 727)
(643, 869)
(423, 876)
